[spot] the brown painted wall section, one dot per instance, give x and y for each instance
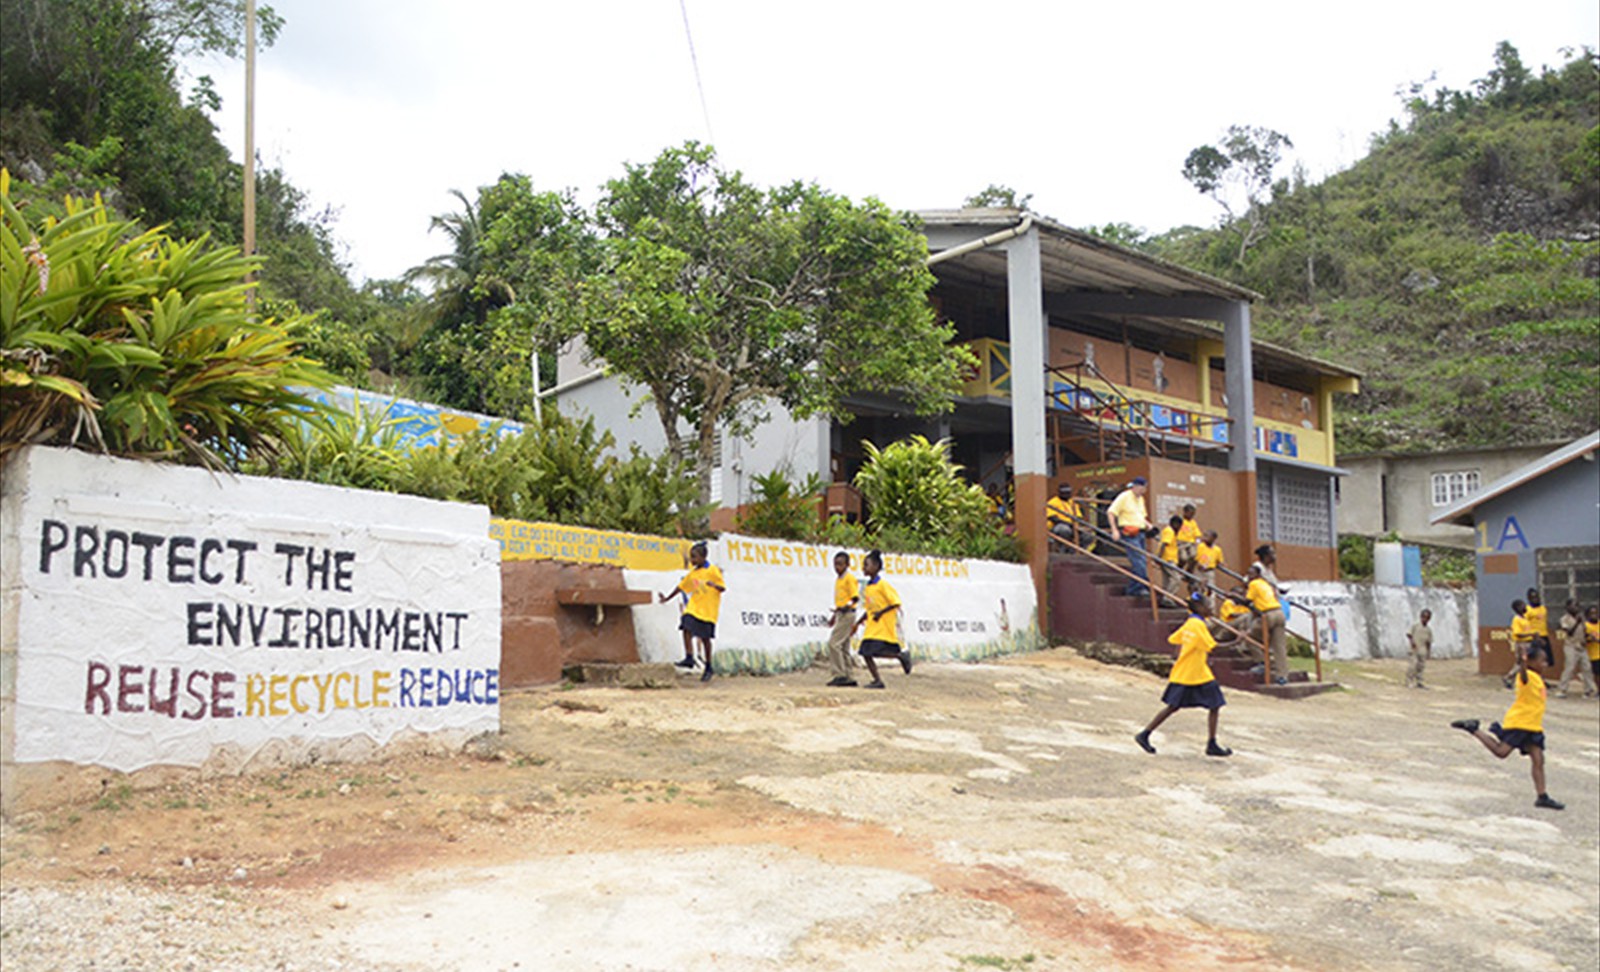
(539, 636)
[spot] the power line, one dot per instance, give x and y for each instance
(705, 112)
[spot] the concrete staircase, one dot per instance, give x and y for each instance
(1087, 604)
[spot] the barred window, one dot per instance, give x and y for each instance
(1294, 510)
(1449, 487)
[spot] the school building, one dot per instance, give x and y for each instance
(1535, 527)
(1097, 364)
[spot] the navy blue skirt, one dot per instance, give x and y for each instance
(697, 628)
(1204, 696)
(878, 648)
(1519, 739)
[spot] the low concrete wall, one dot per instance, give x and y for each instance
(1371, 620)
(160, 617)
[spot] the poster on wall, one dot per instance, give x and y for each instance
(166, 614)
(776, 614)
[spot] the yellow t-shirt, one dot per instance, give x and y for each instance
(846, 590)
(1194, 644)
(1058, 510)
(1208, 556)
(1262, 595)
(1538, 620)
(1169, 545)
(1521, 630)
(705, 601)
(1190, 532)
(1527, 712)
(1591, 639)
(876, 596)
(1128, 510)
(1230, 610)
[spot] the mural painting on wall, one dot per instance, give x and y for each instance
(153, 639)
(777, 612)
(415, 424)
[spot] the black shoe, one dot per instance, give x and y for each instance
(1465, 725)
(1212, 749)
(1508, 681)
(705, 676)
(1549, 803)
(843, 681)
(684, 663)
(905, 661)
(877, 684)
(1143, 739)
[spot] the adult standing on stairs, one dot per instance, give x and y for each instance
(1130, 521)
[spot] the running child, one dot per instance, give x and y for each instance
(846, 592)
(703, 586)
(1191, 684)
(1521, 729)
(882, 620)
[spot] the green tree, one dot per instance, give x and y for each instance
(1237, 174)
(719, 297)
(996, 195)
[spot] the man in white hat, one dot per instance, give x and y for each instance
(1130, 521)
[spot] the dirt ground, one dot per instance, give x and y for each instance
(992, 816)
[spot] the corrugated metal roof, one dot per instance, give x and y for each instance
(1461, 511)
(1072, 260)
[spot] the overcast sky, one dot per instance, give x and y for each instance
(379, 108)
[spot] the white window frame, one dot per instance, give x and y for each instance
(1454, 485)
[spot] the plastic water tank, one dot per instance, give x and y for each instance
(1388, 564)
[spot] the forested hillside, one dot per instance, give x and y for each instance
(1457, 265)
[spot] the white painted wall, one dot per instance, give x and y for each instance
(775, 615)
(117, 575)
(781, 442)
(1371, 620)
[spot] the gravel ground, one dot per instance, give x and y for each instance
(134, 929)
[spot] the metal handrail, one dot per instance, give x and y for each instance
(1117, 397)
(1155, 609)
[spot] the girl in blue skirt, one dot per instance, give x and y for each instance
(1191, 684)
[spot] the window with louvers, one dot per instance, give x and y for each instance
(1569, 572)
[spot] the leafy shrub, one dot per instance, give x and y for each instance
(1355, 557)
(783, 509)
(358, 449)
(918, 501)
(558, 470)
(138, 344)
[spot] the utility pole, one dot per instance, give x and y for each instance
(250, 141)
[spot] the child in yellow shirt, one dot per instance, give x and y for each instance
(702, 587)
(1521, 729)
(1189, 534)
(1167, 545)
(882, 619)
(1191, 684)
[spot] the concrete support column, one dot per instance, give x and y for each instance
(1240, 386)
(1241, 390)
(1029, 344)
